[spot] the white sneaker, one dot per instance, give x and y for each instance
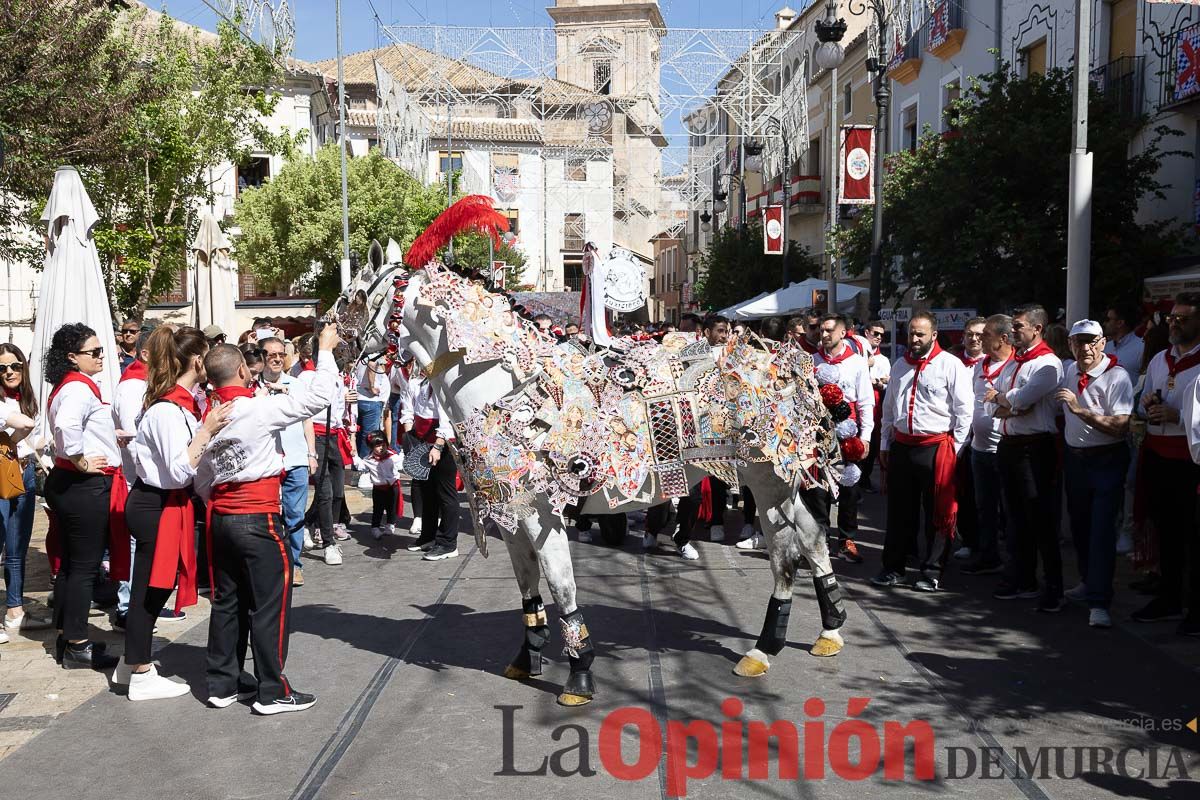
(152, 686)
(1099, 618)
(753, 543)
(962, 553)
(364, 482)
(226, 702)
(376, 534)
(25, 622)
(716, 533)
(1079, 592)
(1124, 543)
(309, 544)
(340, 534)
(3, 637)
(689, 552)
(333, 555)
(585, 536)
(649, 541)
(415, 528)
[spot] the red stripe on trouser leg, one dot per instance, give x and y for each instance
(283, 605)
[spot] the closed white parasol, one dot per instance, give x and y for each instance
(215, 288)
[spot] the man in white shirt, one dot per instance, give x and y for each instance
(1119, 324)
(854, 379)
(926, 419)
(1168, 470)
(968, 519)
(1024, 396)
(985, 438)
(299, 453)
(881, 370)
(1097, 396)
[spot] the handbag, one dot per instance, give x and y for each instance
(12, 481)
(416, 457)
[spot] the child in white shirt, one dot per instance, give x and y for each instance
(383, 467)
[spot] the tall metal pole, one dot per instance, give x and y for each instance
(787, 190)
(883, 94)
(344, 272)
(1079, 220)
(450, 166)
(834, 153)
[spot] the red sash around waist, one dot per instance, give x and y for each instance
(425, 429)
(118, 531)
(945, 498)
(342, 437)
(1173, 447)
(261, 496)
(175, 549)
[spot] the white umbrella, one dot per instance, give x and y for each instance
(216, 279)
(797, 297)
(733, 309)
(72, 285)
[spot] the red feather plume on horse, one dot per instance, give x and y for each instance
(472, 213)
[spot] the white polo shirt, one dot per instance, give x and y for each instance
(1109, 393)
(1029, 387)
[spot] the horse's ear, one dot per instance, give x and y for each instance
(394, 254)
(375, 256)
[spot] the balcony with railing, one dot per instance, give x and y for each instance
(905, 65)
(1181, 67)
(947, 29)
(1121, 83)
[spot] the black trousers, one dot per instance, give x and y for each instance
(79, 501)
(819, 502)
(968, 512)
(331, 490)
(142, 512)
(383, 504)
(1031, 498)
(749, 506)
(909, 493)
(252, 570)
(689, 510)
(1171, 487)
(439, 503)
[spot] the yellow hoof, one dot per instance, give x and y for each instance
(568, 699)
(515, 673)
(751, 668)
(824, 648)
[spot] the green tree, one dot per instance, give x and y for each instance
(291, 227)
(204, 101)
(978, 216)
(67, 86)
(734, 268)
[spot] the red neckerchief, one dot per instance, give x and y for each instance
(988, 377)
(1085, 378)
(386, 455)
(15, 394)
(835, 360)
(918, 365)
(184, 399)
(1174, 367)
(1042, 349)
(308, 365)
(225, 394)
(808, 346)
(75, 376)
(136, 371)
(971, 362)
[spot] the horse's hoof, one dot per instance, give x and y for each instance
(515, 673)
(824, 648)
(572, 700)
(751, 668)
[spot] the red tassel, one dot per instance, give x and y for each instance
(706, 504)
(458, 483)
(399, 500)
(472, 213)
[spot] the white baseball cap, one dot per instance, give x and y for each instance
(1086, 327)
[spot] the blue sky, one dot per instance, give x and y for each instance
(315, 18)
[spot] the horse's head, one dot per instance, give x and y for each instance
(367, 312)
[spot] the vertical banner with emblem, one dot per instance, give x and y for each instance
(498, 268)
(857, 162)
(773, 230)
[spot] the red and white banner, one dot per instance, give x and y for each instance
(773, 230)
(498, 268)
(857, 185)
(1187, 62)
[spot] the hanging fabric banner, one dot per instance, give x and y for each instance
(773, 230)
(857, 185)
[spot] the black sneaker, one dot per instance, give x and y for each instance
(296, 701)
(926, 584)
(887, 578)
(1051, 604)
(171, 615)
(1158, 610)
(440, 554)
(1190, 626)
(1006, 591)
(982, 568)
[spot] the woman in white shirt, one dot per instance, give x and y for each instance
(424, 418)
(80, 489)
(170, 440)
(18, 412)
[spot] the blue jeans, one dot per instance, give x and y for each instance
(394, 433)
(985, 471)
(1095, 480)
(295, 499)
(370, 419)
(16, 523)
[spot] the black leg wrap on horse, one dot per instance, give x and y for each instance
(537, 633)
(774, 629)
(829, 598)
(578, 648)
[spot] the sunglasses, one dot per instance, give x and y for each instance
(130, 331)
(1177, 319)
(95, 352)
(17, 368)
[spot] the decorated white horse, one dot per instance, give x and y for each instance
(543, 427)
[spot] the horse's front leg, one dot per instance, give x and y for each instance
(528, 661)
(811, 540)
